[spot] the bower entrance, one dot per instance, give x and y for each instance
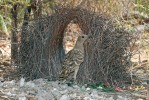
(71, 34)
(106, 57)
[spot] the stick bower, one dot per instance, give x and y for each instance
(106, 58)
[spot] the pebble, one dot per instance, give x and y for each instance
(41, 89)
(64, 97)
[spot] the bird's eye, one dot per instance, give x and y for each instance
(82, 36)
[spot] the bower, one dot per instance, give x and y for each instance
(106, 58)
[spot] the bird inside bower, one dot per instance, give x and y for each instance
(72, 60)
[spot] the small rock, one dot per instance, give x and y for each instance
(1, 79)
(122, 98)
(83, 88)
(39, 81)
(43, 95)
(9, 83)
(22, 98)
(55, 84)
(64, 86)
(22, 81)
(87, 98)
(87, 89)
(56, 93)
(32, 98)
(141, 99)
(1, 84)
(74, 95)
(64, 92)
(76, 87)
(110, 98)
(64, 97)
(30, 84)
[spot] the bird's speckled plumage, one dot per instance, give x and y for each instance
(73, 59)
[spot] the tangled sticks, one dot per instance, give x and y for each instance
(106, 57)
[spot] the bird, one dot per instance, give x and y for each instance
(72, 60)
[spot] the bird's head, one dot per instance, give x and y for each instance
(82, 38)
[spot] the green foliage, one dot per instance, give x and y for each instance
(111, 7)
(102, 87)
(5, 11)
(142, 6)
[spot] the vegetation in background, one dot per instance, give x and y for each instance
(110, 7)
(6, 17)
